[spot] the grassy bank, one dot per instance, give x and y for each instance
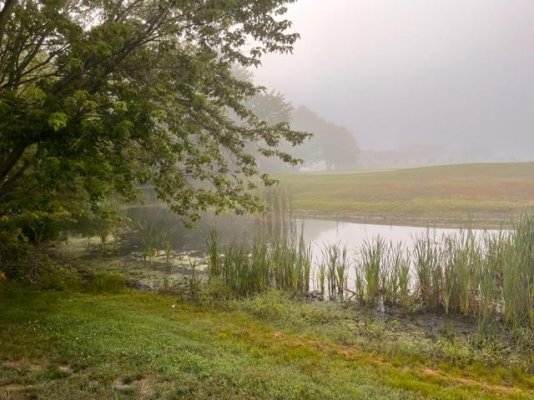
(479, 194)
(148, 346)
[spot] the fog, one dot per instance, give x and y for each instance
(454, 74)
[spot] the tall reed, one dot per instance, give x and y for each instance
(397, 280)
(276, 222)
(321, 278)
(427, 257)
(335, 264)
(213, 252)
(304, 263)
(256, 268)
(369, 269)
(518, 275)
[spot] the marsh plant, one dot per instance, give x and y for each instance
(321, 278)
(396, 282)
(250, 269)
(370, 270)
(304, 262)
(168, 265)
(488, 277)
(428, 271)
(276, 223)
(213, 253)
(334, 267)
(149, 237)
(518, 275)
(194, 281)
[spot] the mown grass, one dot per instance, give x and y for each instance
(483, 194)
(59, 345)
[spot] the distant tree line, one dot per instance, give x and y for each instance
(331, 146)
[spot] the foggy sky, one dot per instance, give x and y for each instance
(457, 73)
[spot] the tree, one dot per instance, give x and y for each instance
(100, 96)
(331, 143)
(273, 108)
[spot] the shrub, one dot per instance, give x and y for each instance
(106, 282)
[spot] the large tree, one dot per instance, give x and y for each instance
(333, 144)
(100, 96)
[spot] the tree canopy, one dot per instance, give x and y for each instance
(328, 143)
(332, 144)
(101, 96)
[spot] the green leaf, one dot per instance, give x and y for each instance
(120, 106)
(58, 121)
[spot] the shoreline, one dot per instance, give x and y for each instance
(493, 222)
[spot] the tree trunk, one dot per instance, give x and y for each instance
(8, 160)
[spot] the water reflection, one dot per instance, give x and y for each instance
(244, 229)
(320, 233)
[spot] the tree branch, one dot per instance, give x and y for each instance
(4, 16)
(8, 160)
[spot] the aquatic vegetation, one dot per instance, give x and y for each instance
(335, 264)
(369, 269)
(257, 268)
(488, 277)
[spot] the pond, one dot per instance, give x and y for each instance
(321, 233)
(243, 229)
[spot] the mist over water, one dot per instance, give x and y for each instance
(454, 76)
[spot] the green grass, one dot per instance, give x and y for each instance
(487, 194)
(60, 345)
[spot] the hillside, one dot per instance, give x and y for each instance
(478, 194)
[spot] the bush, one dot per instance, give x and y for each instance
(270, 306)
(106, 282)
(214, 293)
(21, 262)
(53, 277)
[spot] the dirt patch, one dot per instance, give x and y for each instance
(122, 385)
(143, 387)
(277, 335)
(16, 391)
(65, 369)
(25, 365)
(471, 382)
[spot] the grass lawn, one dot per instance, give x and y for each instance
(483, 194)
(132, 345)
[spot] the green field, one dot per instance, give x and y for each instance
(480, 194)
(61, 345)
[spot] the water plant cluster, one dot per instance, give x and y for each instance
(280, 264)
(489, 277)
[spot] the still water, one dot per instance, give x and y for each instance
(319, 233)
(243, 229)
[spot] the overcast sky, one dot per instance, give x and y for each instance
(458, 73)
